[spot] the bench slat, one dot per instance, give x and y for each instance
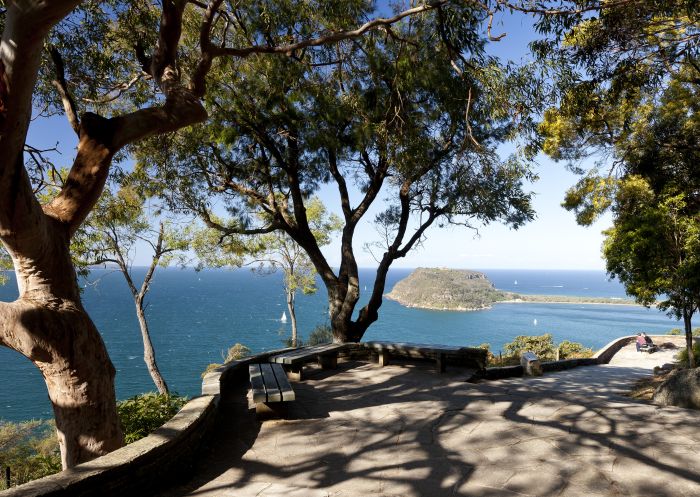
(271, 386)
(256, 384)
(307, 354)
(284, 386)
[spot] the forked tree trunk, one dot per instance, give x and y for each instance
(340, 308)
(149, 355)
(293, 317)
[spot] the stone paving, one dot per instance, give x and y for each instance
(404, 430)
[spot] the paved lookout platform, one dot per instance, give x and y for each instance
(403, 430)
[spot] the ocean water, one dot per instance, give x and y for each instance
(195, 316)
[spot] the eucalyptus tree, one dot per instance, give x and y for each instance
(123, 60)
(278, 251)
(629, 83)
(122, 72)
(654, 249)
(119, 226)
(5, 265)
(414, 115)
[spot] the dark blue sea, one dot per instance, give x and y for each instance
(195, 316)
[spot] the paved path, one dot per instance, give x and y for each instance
(405, 431)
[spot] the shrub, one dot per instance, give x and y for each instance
(682, 355)
(573, 350)
(238, 351)
(30, 449)
(288, 342)
(490, 357)
(321, 334)
(141, 414)
(678, 331)
(541, 345)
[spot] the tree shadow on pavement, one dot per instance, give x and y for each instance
(405, 430)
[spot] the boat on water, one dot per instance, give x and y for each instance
(283, 319)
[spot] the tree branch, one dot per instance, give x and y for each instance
(60, 84)
(157, 253)
(342, 186)
(26, 26)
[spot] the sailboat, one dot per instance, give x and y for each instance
(515, 282)
(283, 319)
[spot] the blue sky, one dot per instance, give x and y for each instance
(552, 241)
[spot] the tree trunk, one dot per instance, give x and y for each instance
(340, 307)
(149, 355)
(48, 325)
(293, 317)
(687, 316)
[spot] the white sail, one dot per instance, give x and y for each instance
(284, 317)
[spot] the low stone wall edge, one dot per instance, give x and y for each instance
(163, 452)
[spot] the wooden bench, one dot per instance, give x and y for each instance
(466, 356)
(269, 384)
(294, 360)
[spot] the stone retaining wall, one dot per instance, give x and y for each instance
(135, 468)
(165, 454)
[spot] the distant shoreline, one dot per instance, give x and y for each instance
(590, 301)
(532, 299)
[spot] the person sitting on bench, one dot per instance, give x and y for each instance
(641, 342)
(649, 343)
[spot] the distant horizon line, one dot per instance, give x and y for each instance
(368, 267)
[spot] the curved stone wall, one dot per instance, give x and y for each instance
(132, 469)
(605, 354)
(165, 454)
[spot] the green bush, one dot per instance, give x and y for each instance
(573, 350)
(30, 449)
(321, 334)
(142, 414)
(682, 355)
(541, 345)
(288, 342)
(490, 357)
(678, 331)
